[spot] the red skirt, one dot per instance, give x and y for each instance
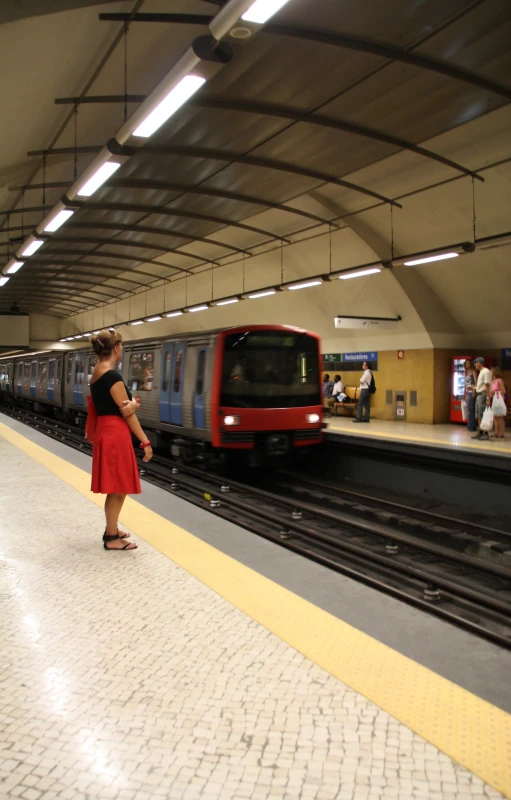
(114, 465)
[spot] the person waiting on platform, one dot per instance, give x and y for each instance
(364, 399)
(114, 466)
(337, 394)
(470, 394)
(483, 394)
(326, 387)
(498, 406)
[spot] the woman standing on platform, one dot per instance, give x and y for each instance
(470, 394)
(498, 406)
(114, 466)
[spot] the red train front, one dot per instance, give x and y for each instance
(266, 394)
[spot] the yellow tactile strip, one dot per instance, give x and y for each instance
(462, 725)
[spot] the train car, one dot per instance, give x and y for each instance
(253, 388)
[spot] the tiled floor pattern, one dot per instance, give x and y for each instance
(122, 676)
(455, 436)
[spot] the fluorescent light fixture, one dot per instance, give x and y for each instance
(262, 10)
(137, 322)
(359, 273)
(58, 220)
(3, 281)
(305, 285)
(177, 97)
(77, 337)
(261, 294)
(98, 179)
(174, 314)
(86, 335)
(31, 248)
(95, 333)
(14, 266)
(427, 259)
(197, 308)
(153, 319)
(70, 338)
(227, 302)
(62, 340)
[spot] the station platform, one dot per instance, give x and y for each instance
(211, 664)
(451, 437)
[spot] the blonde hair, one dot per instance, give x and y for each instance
(105, 341)
(496, 372)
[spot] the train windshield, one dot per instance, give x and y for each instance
(270, 369)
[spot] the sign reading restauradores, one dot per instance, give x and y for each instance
(505, 357)
(360, 357)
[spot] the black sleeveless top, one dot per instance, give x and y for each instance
(100, 391)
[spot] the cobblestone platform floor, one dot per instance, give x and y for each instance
(122, 676)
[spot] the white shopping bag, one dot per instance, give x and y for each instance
(464, 411)
(498, 406)
(487, 420)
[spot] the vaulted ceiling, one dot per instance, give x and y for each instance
(296, 133)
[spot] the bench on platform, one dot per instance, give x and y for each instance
(353, 393)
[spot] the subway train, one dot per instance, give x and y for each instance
(254, 389)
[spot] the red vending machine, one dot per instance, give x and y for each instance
(458, 386)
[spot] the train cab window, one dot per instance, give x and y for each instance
(270, 369)
(141, 372)
(177, 370)
(69, 369)
(201, 363)
(166, 372)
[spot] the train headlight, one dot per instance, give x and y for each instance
(231, 420)
(312, 418)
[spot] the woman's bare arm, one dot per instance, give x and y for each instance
(120, 396)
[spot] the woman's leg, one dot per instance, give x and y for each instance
(113, 506)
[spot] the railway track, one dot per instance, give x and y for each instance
(457, 570)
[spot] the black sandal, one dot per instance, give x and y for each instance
(128, 546)
(121, 534)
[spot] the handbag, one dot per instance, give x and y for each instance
(464, 410)
(92, 420)
(487, 420)
(498, 405)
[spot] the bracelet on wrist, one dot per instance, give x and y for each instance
(143, 445)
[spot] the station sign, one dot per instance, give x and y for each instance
(331, 357)
(505, 357)
(359, 357)
(367, 322)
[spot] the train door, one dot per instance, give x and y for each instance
(78, 381)
(33, 379)
(58, 378)
(19, 378)
(166, 372)
(51, 379)
(176, 384)
(198, 395)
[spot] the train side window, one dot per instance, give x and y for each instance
(166, 373)
(201, 363)
(33, 374)
(69, 369)
(51, 373)
(141, 372)
(26, 371)
(177, 370)
(20, 371)
(93, 360)
(59, 370)
(43, 368)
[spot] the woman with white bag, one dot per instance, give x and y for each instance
(498, 406)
